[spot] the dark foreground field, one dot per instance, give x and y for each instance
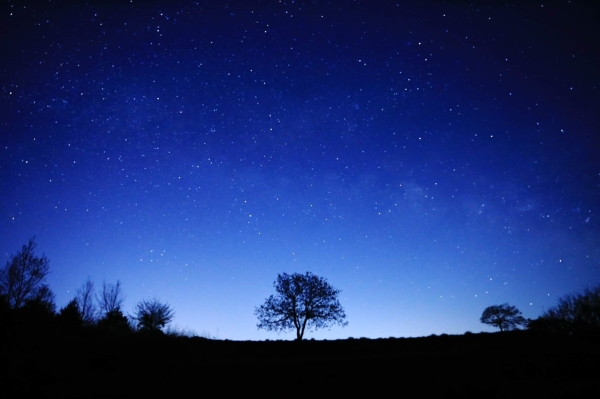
(501, 365)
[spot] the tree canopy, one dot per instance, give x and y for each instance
(505, 317)
(302, 301)
(22, 279)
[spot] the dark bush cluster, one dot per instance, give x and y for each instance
(574, 314)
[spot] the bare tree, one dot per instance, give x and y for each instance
(85, 302)
(302, 300)
(111, 298)
(23, 277)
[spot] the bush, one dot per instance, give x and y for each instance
(152, 315)
(115, 322)
(574, 313)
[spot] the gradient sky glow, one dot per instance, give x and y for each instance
(428, 160)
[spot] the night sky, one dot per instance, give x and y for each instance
(428, 160)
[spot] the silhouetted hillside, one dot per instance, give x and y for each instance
(95, 364)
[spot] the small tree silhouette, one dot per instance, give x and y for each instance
(70, 317)
(42, 300)
(505, 317)
(85, 302)
(22, 278)
(152, 315)
(302, 300)
(111, 298)
(115, 321)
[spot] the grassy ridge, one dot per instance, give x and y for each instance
(514, 364)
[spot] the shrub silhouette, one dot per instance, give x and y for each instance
(152, 315)
(115, 321)
(574, 313)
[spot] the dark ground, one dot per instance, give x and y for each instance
(515, 364)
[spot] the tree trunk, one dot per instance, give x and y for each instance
(303, 327)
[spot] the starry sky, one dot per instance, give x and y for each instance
(428, 159)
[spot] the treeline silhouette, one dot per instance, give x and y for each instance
(89, 348)
(27, 303)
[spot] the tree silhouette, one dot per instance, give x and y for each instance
(43, 299)
(23, 276)
(70, 316)
(114, 321)
(302, 300)
(152, 315)
(111, 299)
(85, 302)
(505, 317)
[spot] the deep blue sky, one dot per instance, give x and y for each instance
(428, 160)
